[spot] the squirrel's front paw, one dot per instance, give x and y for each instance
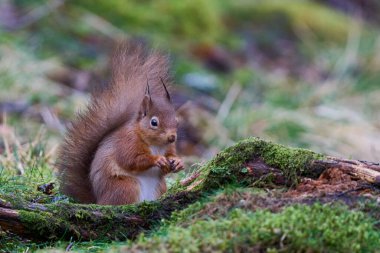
(176, 164)
(163, 163)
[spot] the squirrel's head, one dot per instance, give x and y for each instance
(157, 119)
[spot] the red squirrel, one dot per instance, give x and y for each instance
(120, 148)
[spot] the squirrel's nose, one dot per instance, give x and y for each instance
(171, 138)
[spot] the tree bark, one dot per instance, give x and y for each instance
(367, 171)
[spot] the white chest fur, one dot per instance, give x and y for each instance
(149, 180)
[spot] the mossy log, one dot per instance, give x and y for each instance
(248, 162)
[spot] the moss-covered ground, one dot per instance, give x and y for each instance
(298, 228)
(225, 211)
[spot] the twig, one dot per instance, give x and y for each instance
(52, 120)
(190, 179)
(229, 100)
(68, 248)
(5, 138)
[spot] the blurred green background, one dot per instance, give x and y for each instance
(301, 73)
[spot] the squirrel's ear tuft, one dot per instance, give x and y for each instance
(166, 90)
(145, 106)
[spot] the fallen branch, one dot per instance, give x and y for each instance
(10, 220)
(366, 171)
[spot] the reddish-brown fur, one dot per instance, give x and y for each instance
(111, 143)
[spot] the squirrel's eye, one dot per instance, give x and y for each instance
(154, 122)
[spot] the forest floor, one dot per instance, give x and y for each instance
(253, 196)
(300, 73)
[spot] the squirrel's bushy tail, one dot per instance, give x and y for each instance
(115, 104)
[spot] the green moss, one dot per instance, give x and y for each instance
(313, 228)
(227, 166)
(74, 219)
(79, 221)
